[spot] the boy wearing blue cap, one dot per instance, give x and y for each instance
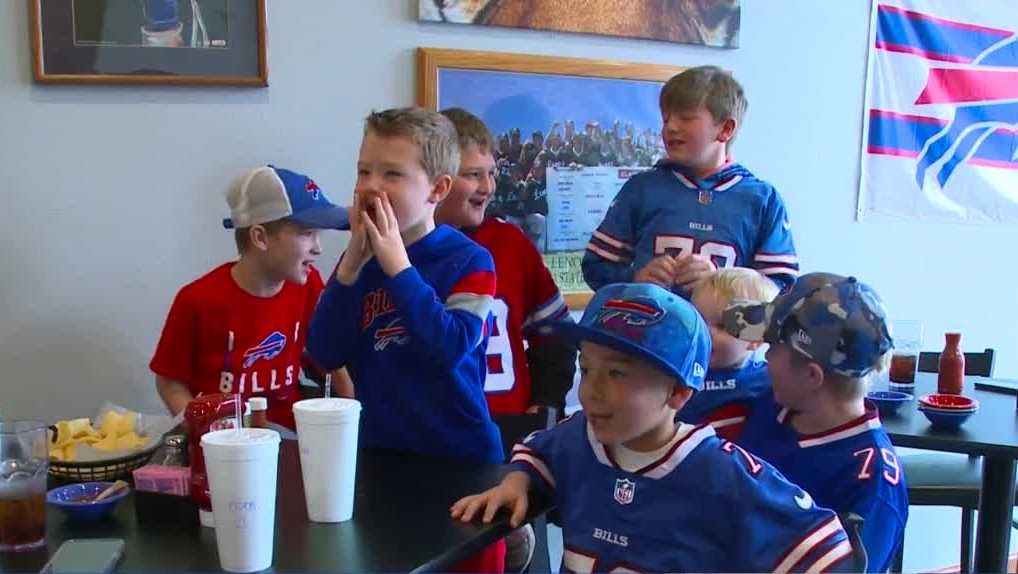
(827, 336)
(241, 327)
(635, 489)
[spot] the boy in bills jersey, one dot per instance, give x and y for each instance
(519, 379)
(407, 309)
(698, 210)
(635, 490)
(828, 335)
(735, 376)
(241, 327)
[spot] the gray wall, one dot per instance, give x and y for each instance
(112, 196)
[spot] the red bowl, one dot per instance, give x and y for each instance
(949, 402)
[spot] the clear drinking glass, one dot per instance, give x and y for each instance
(24, 462)
(908, 339)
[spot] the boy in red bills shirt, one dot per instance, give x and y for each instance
(520, 379)
(241, 327)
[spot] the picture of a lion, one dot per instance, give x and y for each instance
(708, 22)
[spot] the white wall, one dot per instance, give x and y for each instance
(111, 196)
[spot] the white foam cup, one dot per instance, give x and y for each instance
(327, 435)
(242, 467)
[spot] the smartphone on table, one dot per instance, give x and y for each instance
(85, 555)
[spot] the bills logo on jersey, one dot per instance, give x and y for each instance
(312, 188)
(268, 349)
(391, 334)
(625, 489)
(944, 101)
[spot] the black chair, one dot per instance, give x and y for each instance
(853, 524)
(945, 479)
(976, 364)
(514, 429)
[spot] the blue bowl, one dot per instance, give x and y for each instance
(67, 498)
(946, 420)
(888, 401)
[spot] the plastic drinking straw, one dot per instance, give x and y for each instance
(328, 385)
(239, 418)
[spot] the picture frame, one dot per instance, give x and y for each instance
(582, 167)
(168, 42)
(711, 23)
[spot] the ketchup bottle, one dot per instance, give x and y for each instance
(951, 373)
(204, 414)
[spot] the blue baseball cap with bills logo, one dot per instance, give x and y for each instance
(649, 322)
(269, 193)
(836, 321)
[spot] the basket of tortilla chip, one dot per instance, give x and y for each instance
(121, 441)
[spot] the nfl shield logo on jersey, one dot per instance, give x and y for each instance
(624, 490)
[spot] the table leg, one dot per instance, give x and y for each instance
(996, 505)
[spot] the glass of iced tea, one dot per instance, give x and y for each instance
(24, 462)
(908, 339)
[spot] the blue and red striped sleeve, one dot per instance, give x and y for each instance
(450, 330)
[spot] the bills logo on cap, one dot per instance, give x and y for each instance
(312, 188)
(625, 489)
(638, 312)
(268, 349)
(629, 318)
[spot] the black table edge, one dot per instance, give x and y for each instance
(498, 528)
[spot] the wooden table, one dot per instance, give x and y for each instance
(992, 433)
(401, 523)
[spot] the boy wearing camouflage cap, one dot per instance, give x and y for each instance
(637, 491)
(827, 334)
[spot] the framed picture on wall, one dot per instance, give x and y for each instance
(712, 23)
(189, 42)
(569, 132)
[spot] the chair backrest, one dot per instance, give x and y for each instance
(976, 364)
(853, 524)
(514, 429)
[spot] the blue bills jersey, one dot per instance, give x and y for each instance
(850, 468)
(706, 505)
(731, 216)
(726, 397)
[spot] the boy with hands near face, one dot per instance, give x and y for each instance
(407, 309)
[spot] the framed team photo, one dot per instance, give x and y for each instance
(184, 42)
(569, 132)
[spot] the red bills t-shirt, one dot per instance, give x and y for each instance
(525, 293)
(219, 338)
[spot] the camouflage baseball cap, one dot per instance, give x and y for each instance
(836, 321)
(649, 322)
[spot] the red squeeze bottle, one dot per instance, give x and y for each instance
(951, 373)
(209, 412)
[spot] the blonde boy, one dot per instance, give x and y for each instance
(735, 376)
(406, 310)
(698, 210)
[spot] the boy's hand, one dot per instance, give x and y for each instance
(383, 234)
(511, 493)
(358, 250)
(691, 269)
(659, 271)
